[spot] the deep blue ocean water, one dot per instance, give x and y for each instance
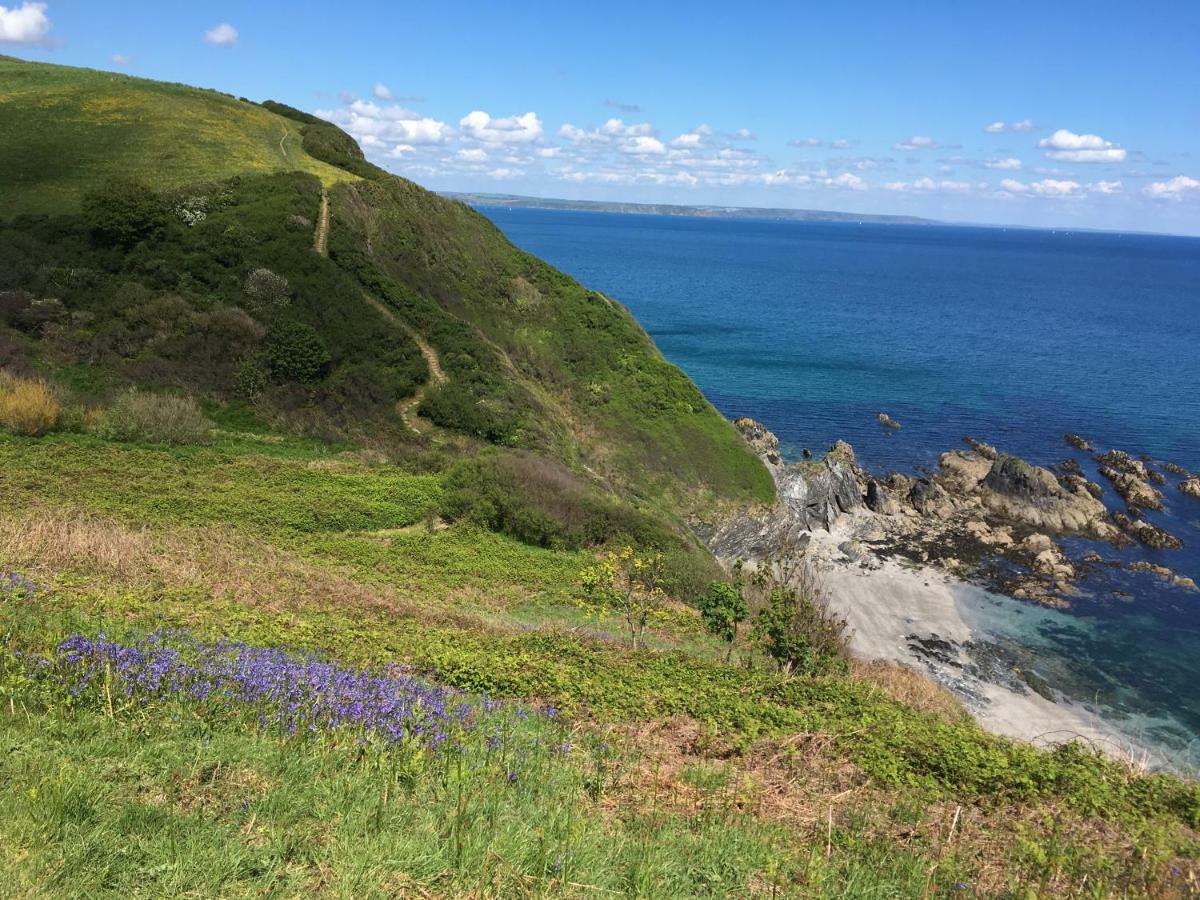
(1012, 336)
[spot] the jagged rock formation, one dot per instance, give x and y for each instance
(1191, 487)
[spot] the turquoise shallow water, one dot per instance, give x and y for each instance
(1011, 336)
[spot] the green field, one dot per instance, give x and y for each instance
(65, 128)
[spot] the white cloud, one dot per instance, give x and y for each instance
(120, 59)
(744, 134)
(1051, 187)
(382, 91)
(806, 142)
(1175, 189)
(505, 173)
(644, 145)
(1005, 127)
(1009, 163)
(371, 124)
(1014, 187)
(847, 180)
(928, 185)
(224, 35)
(839, 144)
(480, 126)
(1105, 187)
(27, 24)
(1071, 147)
(473, 155)
(697, 137)
(916, 142)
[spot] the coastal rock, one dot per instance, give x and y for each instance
(1191, 487)
(879, 500)
(1148, 534)
(984, 449)
(1077, 442)
(1037, 543)
(761, 441)
(1133, 490)
(930, 499)
(960, 471)
(1175, 469)
(1070, 466)
(1155, 477)
(1032, 495)
(887, 421)
(811, 495)
(1123, 462)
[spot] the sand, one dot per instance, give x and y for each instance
(886, 601)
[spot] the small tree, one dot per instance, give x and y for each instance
(265, 291)
(122, 212)
(723, 608)
(794, 625)
(625, 584)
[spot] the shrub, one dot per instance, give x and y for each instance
(124, 212)
(265, 291)
(722, 609)
(454, 405)
(626, 585)
(294, 352)
(27, 405)
(793, 623)
(155, 418)
(541, 502)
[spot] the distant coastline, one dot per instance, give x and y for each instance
(668, 209)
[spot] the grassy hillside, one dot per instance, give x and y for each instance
(64, 129)
(657, 772)
(308, 479)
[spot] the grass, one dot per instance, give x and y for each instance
(722, 780)
(111, 124)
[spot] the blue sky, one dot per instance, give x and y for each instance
(1062, 113)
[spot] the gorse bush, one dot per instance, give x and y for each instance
(156, 419)
(266, 291)
(626, 585)
(27, 405)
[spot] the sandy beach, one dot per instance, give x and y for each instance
(887, 603)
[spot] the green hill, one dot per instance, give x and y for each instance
(64, 129)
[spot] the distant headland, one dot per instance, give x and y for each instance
(669, 209)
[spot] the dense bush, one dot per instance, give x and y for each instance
(124, 212)
(793, 623)
(541, 502)
(155, 419)
(265, 291)
(27, 405)
(454, 405)
(294, 352)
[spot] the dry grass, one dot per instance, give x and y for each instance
(27, 405)
(912, 688)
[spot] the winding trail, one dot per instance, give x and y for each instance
(407, 408)
(321, 235)
(283, 147)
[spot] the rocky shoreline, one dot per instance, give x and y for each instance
(909, 561)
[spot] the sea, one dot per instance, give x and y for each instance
(1012, 336)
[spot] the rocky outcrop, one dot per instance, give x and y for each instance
(1077, 442)
(1136, 493)
(1191, 487)
(1123, 462)
(887, 421)
(1147, 533)
(1019, 492)
(810, 495)
(878, 499)
(1176, 469)
(960, 471)
(984, 449)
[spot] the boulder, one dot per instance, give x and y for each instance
(1031, 495)
(887, 421)
(930, 499)
(1037, 543)
(1191, 487)
(961, 471)
(879, 500)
